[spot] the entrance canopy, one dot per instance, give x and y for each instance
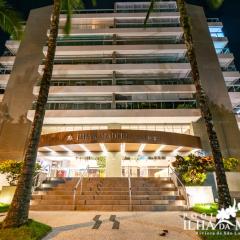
(114, 138)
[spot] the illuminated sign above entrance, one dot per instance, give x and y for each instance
(119, 136)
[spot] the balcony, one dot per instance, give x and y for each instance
(121, 116)
(171, 70)
(101, 90)
(127, 80)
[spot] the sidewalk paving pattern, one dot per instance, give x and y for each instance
(114, 225)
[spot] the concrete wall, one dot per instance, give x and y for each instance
(199, 194)
(213, 83)
(113, 165)
(18, 97)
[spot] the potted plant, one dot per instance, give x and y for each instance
(101, 162)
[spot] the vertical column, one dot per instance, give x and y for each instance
(18, 97)
(114, 164)
(114, 78)
(213, 83)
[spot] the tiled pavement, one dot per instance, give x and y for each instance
(133, 225)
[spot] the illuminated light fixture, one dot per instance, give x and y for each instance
(84, 147)
(66, 148)
(177, 150)
(88, 152)
(103, 147)
(123, 146)
(49, 149)
(160, 149)
(140, 150)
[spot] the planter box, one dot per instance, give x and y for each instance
(199, 194)
(7, 193)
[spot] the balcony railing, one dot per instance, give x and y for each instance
(234, 88)
(225, 50)
(93, 42)
(5, 70)
(109, 82)
(157, 105)
(213, 20)
(122, 60)
(230, 68)
(186, 104)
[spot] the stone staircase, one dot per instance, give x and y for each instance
(110, 194)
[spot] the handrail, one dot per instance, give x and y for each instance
(181, 183)
(76, 187)
(37, 181)
(129, 189)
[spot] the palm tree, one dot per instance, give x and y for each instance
(222, 186)
(19, 209)
(10, 20)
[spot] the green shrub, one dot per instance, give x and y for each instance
(192, 177)
(101, 162)
(4, 207)
(230, 163)
(206, 208)
(12, 169)
(193, 169)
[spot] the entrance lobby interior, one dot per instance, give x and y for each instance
(122, 153)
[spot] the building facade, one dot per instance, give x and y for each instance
(120, 91)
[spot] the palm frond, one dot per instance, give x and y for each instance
(94, 2)
(69, 6)
(150, 9)
(215, 3)
(10, 21)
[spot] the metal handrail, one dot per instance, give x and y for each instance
(37, 181)
(129, 189)
(181, 183)
(76, 187)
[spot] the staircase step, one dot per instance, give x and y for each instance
(53, 207)
(108, 194)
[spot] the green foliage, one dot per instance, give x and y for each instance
(10, 20)
(193, 169)
(31, 231)
(12, 169)
(215, 3)
(193, 177)
(4, 207)
(101, 162)
(207, 208)
(230, 163)
(69, 6)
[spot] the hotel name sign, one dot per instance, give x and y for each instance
(119, 136)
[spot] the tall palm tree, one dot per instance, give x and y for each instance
(10, 20)
(19, 209)
(222, 186)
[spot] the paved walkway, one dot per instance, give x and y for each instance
(132, 225)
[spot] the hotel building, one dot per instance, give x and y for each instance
(119, 90)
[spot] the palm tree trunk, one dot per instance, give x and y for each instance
(18, 212)
(222, 186)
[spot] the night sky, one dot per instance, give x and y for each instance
(229, 14)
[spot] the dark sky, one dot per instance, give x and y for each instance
(229, 14)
